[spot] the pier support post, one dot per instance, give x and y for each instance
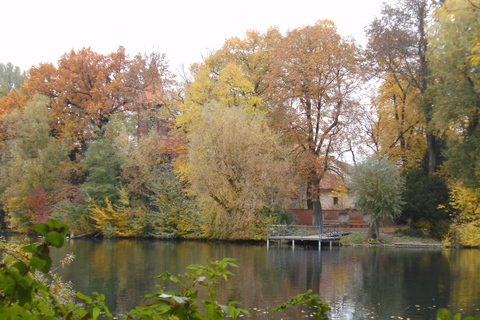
(293, 244)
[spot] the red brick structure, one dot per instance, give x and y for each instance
(305, 216)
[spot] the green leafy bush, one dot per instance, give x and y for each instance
(24, 296)
(410, 232)
(186, 304)
(444, 314)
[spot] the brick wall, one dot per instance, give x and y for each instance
(305, 216)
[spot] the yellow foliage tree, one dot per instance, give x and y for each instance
(399, 126)
(13, 101)
(466, 226)
(234, 75)
(237, 168)
(119, 221)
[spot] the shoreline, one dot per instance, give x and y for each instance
(390, 239)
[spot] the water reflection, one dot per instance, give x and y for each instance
(357, 282)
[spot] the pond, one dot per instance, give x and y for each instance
(357, 282)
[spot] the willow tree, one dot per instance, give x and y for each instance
(377, 187)
(314, 77)
(237, 168)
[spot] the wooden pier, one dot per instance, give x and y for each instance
(304, 233)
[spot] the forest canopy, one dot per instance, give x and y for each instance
(119, 145)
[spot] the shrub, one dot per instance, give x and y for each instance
(24, 293)
(465, 229)
(76, 216)
(410, 232)
(444, 314)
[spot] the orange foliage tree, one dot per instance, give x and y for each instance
(87, 87)
(314, 76)
(13, 101)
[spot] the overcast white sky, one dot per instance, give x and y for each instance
(36, 31)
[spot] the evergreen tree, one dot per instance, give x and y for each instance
(425, 196)
(103, 167)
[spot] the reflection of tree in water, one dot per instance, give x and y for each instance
(404, 282)
(464, 286)
(356, 282)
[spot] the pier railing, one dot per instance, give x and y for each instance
(303, 231)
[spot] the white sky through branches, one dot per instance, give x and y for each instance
(41, 31)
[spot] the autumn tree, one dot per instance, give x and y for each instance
(140, 155)
(456, 97)
(12, 101)
(33, 162)
(377, 187)
(11, 79)
(398, 124)
(233, 75)
(465, 228)
(397, 45)
(456, 94)
(237, 167)
(87, 87)
(316, 72)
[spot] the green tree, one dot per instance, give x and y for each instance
(31, 159)
(173, 213)
(456, 93)
(237, 167)
(10, 77)
(103, 170)
(377, 187)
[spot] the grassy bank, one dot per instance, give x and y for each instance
(387, 239)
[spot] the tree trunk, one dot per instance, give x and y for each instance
(374, 230)
(313, 201)
(433, 153)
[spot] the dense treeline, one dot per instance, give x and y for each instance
(116, 144)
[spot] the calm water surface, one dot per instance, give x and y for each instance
(357, 282)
